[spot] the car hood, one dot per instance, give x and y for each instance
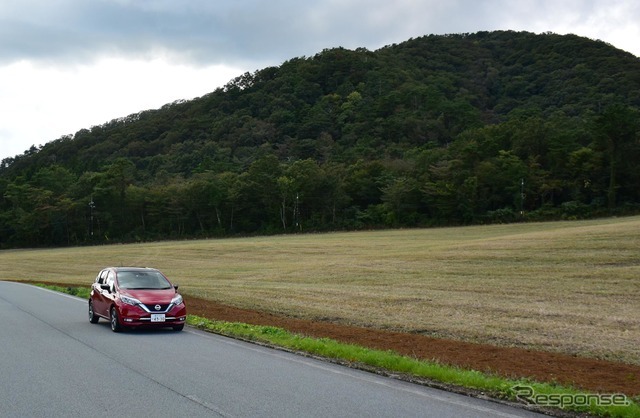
(146, 296)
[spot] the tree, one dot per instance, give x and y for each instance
(499, 181)
(583, 165)
(402, 197)
(285, 189)
(258, 198)
(618, 127)
(109, 193)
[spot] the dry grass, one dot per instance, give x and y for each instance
(572, 287)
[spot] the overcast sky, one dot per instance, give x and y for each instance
(72, 64)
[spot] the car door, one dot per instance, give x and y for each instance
(109, 295)
(99, 297)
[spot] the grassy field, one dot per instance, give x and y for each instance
(572, 287)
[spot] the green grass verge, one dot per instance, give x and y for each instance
(542, 394)
(81, 292)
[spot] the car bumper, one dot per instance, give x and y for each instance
(135, 317)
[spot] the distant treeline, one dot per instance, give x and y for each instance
(439, 130)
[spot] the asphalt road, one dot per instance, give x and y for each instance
(54, 363)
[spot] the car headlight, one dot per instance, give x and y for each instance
(129, 301)
(177, 300)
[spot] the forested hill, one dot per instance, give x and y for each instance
(439, 130)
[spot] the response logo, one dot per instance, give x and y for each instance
(562, 400)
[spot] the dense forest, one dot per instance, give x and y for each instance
(439, 130)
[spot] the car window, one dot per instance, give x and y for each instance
(126, 279)
(111, 280)
(101, 277)
(141, 279)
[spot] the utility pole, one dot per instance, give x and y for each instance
(92, 205)
(522, 197)
(296, 213)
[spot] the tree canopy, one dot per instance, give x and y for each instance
(438, 130)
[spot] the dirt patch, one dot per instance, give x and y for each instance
(587, 374)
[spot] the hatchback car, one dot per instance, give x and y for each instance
(136, 297)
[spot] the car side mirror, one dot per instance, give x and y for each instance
(175, 286)
(105, 287)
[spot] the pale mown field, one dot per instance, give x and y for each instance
(572, 287)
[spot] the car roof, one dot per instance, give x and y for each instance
(132, 268)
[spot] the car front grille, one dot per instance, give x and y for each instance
(152, 308)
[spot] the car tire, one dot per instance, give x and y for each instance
(93, 318)
(115, 321)
(178, 327)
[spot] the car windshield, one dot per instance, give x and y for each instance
(142, 280)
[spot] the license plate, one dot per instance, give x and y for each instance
(157, 317)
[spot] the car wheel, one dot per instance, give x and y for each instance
(178, 327)
(115, 322)
(93, 318)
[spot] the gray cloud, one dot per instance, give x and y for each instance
(202, 31)
(247, 31)
(212, 32)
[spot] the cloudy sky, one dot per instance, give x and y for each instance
(72, 64)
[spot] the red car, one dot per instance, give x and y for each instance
(136, 297)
